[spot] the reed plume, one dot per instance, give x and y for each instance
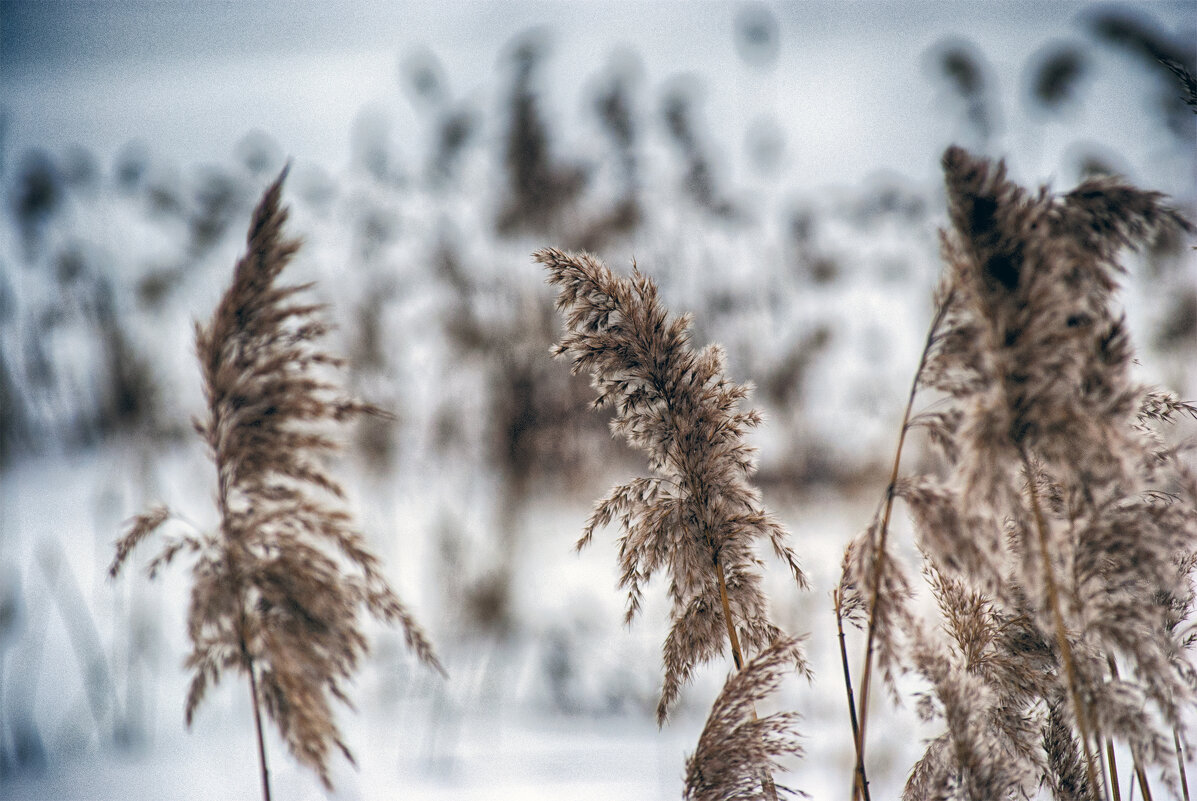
(736, 748)
(696, 516)
(280, 586)
(1058, 541)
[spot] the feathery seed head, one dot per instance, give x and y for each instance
(696, 516)
(279, 590)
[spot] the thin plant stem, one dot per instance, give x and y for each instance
(1053, 600)
(737, 654)
(1101, 763)
(1110, 742)
(861, 781)
(253, 689)
(1113, 769)
(875, 589)
(767, 783)
(1144, 785)
(1180, 764)
(251, 669)
(858, 779)
(1140, 774)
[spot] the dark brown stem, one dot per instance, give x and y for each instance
(253, 688)
(1180, 764)
(1053, 600)
(767, 783)
(860, 783)
(1140, 774)
(1110, 742)
(250, 668)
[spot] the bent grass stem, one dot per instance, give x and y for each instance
(858, 780)
(860, 783)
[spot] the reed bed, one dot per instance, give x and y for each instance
(1055, 522)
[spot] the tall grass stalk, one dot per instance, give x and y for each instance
(860, 782)
(280, 586)
(696, 516)
(1180, 764)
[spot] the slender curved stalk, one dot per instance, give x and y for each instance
(1140, 774)
(251, 669)
(737, 654)
(1144, 785)
(1053, 600)
(1113, 769)
(860, 787)
(859, 780)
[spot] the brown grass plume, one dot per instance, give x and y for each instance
(696, 516)
(280, 586)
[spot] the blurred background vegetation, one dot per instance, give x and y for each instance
(420, 238)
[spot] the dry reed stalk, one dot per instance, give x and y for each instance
(696, 516)
(279, 588)
(1180, 765)
(860, 782)
(943, 303)
(1112, 766)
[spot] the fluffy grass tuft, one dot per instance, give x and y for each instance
(279, 588)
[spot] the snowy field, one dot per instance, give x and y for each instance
(561, 709)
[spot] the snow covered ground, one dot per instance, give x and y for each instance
(562, 709)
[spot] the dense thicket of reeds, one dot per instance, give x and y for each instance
(1059, 532)
(280, 586)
